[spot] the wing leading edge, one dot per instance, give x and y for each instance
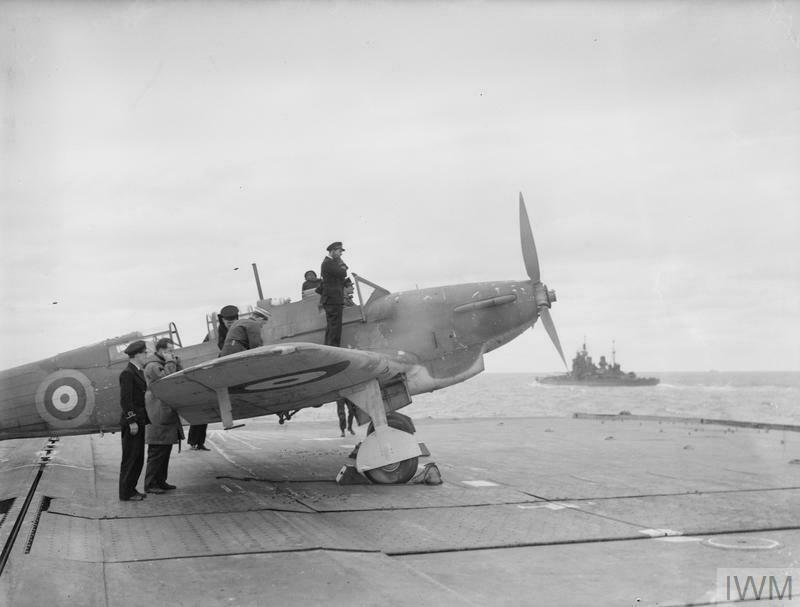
(271, 378)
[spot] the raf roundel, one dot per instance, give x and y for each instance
(289, 380)
(65, 399)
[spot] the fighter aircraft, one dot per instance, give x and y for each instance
(394, 346)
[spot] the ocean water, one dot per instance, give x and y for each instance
(772, 397)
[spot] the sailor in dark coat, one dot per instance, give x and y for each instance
(132, 387)
(334, 280)
(165, 426)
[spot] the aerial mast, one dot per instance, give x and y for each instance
(258, 282)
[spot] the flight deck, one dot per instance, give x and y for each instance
(531, 511)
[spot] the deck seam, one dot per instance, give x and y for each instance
(641, 495)
(591, 541)
(98, 530)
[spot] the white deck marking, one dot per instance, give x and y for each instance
(660, 532)
(551, 506)
(251, 434)
(758, 543)
(229, 459)
(480, 483)
(244, 442)
(53, 464)
(678, 539)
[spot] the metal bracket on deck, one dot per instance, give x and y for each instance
(225, 413)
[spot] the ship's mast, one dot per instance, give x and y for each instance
(613, 353)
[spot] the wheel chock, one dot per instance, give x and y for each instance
(348, 475)
(427, 475)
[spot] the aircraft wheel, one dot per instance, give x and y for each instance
(398, 421)
(399, 472)
(393, 474)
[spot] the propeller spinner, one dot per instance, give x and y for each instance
(543, 297)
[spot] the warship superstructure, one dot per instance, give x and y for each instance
(586, 373)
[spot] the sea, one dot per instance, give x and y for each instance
(766, 397)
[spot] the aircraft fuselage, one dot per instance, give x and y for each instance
(437, 336)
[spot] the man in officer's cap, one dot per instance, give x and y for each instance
(334, 281)
(245, 334)
(132, 387)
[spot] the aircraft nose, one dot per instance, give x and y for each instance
(543, 296)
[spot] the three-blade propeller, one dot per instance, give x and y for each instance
(542, 295)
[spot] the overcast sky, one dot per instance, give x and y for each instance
(150, 149)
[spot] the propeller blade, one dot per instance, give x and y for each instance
(531, 259)
(547, 321)
(528, 245)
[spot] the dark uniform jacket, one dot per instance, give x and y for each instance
(334, 278)
(132, 387)
(311, 284)
(222, 331)
(165, 425)
(245, 334)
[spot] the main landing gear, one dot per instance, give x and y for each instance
(389, 454)
(397, 473)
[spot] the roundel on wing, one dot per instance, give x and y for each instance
(65, 399)
(290, 380)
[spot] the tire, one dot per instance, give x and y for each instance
(400, 472)
(398, 421)
(393, 474)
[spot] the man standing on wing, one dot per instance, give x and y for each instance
(334, 281)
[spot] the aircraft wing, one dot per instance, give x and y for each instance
(271, 378)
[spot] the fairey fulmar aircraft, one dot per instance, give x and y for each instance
(394, 345)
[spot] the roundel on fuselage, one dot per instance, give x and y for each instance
(65, 399)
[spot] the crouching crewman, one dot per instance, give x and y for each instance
(245, 333)
(165, 426)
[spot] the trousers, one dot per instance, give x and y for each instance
(333, 329)
(157, 465)
(130, 467)
(345, 421)
(197, 435)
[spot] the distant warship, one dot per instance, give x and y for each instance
(586, 373)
